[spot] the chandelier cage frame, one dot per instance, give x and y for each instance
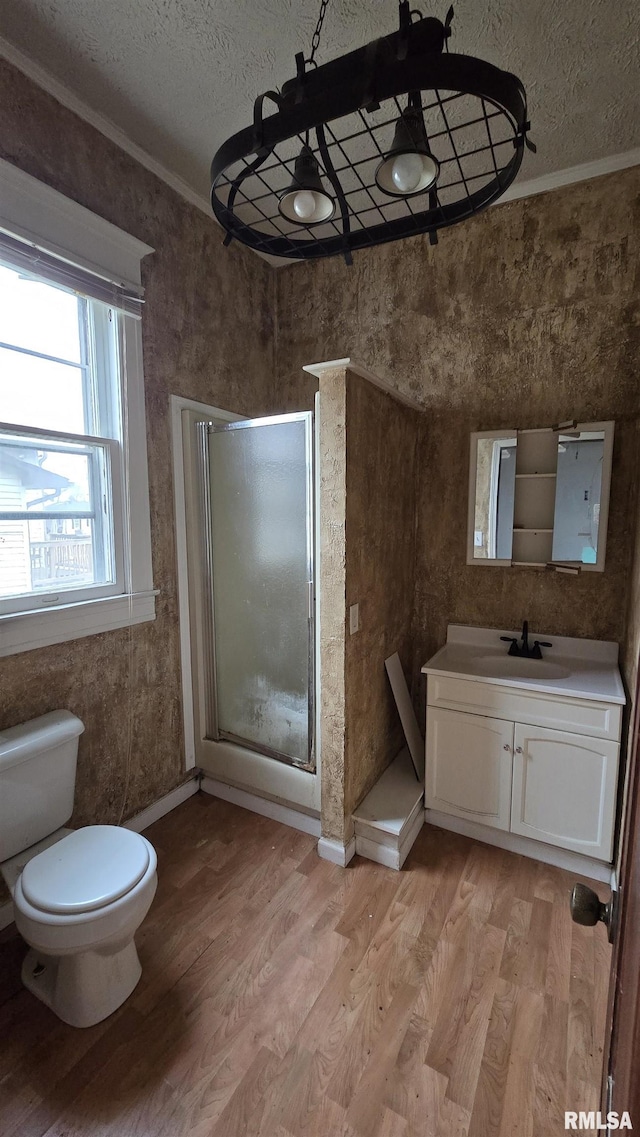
(345, 112)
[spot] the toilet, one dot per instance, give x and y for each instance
(79, 895)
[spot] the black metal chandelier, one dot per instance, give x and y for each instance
(397, 138)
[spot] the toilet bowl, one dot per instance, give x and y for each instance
(80, 895)
(78, 905)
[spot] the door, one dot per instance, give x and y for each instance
(621, 1084)
(468, 770)
(564, 789)
(260, 586)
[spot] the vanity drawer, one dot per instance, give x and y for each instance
(582, 716)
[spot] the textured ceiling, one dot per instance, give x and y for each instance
(179, 76)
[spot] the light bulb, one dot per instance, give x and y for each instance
(406, 172)
(304, 205)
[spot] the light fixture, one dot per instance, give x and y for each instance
(409, 167)
(459, 133)
(306, 201)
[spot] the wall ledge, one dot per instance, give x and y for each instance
(349, 364)
(24, 631)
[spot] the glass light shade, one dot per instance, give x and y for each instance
(306, 202)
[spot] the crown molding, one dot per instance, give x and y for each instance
(571, 174)
(43, 78)
(73, 102)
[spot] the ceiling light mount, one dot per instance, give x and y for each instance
(394, 139)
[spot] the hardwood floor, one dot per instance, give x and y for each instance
(282, 996)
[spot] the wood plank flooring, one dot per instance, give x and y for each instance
(282, 996)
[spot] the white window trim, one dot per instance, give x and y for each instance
(32, 210)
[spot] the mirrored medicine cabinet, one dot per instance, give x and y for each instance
(540, 497)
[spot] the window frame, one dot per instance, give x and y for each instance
(32, 211)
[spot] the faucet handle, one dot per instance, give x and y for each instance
(509, 639)
(542, 643)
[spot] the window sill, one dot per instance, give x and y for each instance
(24, 631)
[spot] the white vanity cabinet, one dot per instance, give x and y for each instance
(469, 766)
(564, 789)
(534, 755)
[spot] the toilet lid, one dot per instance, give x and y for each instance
(86, 870)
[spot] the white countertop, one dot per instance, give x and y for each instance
(577, 668)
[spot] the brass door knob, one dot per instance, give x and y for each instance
(588, 909)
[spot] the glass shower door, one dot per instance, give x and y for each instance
(261, 563)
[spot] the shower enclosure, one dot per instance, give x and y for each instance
(257, 523)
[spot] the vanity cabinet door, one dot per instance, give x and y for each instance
(468, 768)
(564, 788)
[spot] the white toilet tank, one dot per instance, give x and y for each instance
(37, 779)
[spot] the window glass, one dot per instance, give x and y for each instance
(39, 316)
(54, 517)
(37, 392)
(59, 374)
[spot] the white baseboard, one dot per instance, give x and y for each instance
(514, 843)
(336, 851)
(154, 812)
(273, 809)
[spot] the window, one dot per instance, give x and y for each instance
(75, 554)
(61, 534)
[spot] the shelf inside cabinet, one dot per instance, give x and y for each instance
(532, 546)
(534, 503)
(537, 452)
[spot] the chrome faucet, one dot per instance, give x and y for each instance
(523, 650)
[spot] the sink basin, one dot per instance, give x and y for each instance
(511, 667)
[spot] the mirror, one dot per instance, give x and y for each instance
(576, 520)
(540, 497)
(493, 495)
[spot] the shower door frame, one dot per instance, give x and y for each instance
(225, 768)
(213, 731)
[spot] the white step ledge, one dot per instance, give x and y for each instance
(389, 819)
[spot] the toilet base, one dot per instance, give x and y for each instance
(86, 988)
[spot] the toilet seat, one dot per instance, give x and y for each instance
(86, 871)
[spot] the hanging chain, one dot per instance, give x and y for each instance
(315, 42)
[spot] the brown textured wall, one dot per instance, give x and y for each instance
(368, 460)
(207, 332)
(382, 437)
(524, 316)
(332, 425)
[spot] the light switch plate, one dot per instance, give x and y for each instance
(354, 618)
